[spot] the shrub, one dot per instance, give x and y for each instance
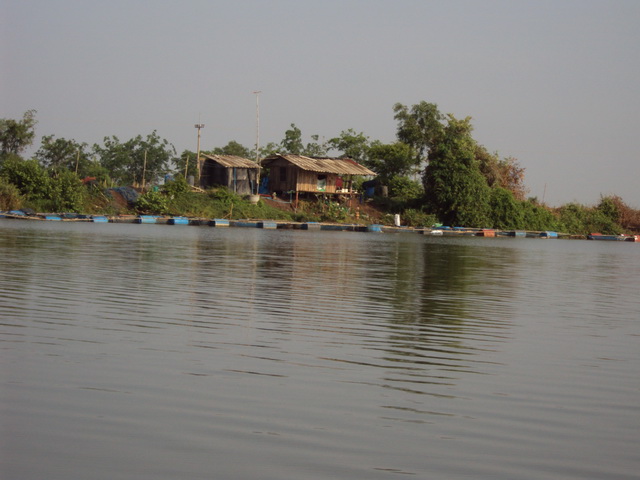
(576, 218)
(628, 218)
(334, 212)
(599, 221)
(176, 188)
(67, 192)
(224, 195)
(572, 217)
(405, 188)
(417, 218)
(10, 198)
(538, 217)
(609, 208)
(100, 173)
(152, 202)
(504, 210)
(28, 176)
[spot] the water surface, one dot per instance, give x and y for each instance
(164, 352)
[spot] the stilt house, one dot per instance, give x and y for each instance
(297, 173)
(238, 174)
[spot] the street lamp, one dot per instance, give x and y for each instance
(199, 126)
(257, 94)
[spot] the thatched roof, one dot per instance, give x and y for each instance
(230, 161)
(339, 166)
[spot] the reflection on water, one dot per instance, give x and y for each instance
(135, 351)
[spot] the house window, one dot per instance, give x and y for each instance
(322, 183)
(283, 174)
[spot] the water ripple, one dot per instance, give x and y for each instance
(177, 352)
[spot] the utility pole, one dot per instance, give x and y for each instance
(199, 126)
(144, 170)
(257, 94)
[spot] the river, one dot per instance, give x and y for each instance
(180, 352)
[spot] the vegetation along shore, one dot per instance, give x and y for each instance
(435, 174)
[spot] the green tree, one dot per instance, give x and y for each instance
(128, 161)
(576, 218)
(292, 141)
(59, 190)
(269, 149)
(67, 192)
(97, 171)
(351, 144)
(31, 178)
(513, 177)
(609, 208)
(292, 144)
(391, 160)
(489, 164)
(573, 218)
(505, 210)
(538, 217)
(234, 148)
(505, 173)
(187, 161)
(17, 135)
(614, 207)
(63, 153)
(420, 127)
(314, 148)
(405, 189)
(455, 189)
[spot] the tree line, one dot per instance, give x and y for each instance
(434, 170)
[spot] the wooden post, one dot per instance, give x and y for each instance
(144, 170)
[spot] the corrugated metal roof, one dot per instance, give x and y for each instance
(232, 161)
(340, 166)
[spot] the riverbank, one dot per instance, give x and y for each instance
(444, 231)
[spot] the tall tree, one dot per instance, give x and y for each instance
(315, 148)
(63, 153)
(128, 161)
(234, 148)
(17, 135)
(351, 144)
(513, 177)
(269, 149)
(391, 160)
(502, 173)
(420, 127)
(505, 210)
(292, 141)
(455, 189)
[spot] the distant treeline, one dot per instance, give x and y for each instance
(435, 172)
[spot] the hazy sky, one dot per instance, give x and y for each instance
(555, 84)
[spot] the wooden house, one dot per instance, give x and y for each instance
(300, 174)
(238, 174)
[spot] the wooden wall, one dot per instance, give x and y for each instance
(309, 182)
(284, 177)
